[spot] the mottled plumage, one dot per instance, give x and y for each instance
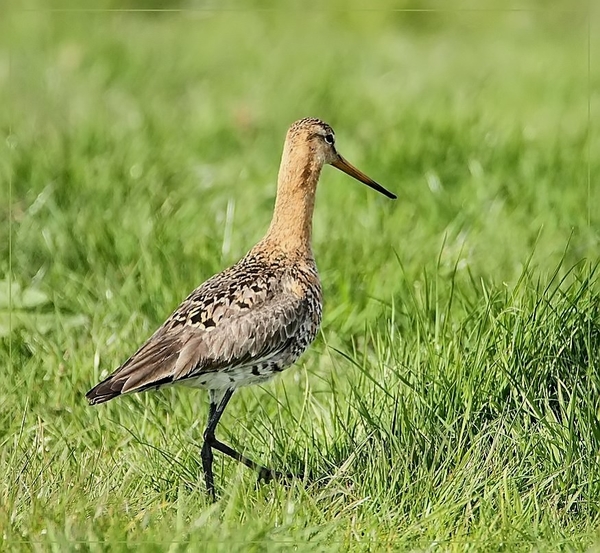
(254, 319)
(238, 328)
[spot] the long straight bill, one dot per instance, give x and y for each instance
(349, 169)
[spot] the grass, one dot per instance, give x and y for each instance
(452, 399)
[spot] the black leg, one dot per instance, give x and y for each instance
(264, 474)
(214, 415)
(210, 441)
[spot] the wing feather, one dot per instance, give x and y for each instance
(182, 349)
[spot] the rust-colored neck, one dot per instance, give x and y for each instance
(291, 226)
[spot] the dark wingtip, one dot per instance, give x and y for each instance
(102, 393)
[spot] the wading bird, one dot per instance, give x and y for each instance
(254, 319)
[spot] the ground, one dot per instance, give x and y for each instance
(451, 401)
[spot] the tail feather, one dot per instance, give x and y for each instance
(111, 388)
(105, 390)
(151, 366)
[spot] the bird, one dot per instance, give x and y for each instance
(254, 319)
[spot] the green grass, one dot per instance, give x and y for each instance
(452, 399)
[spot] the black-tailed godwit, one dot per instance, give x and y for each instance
(254, 319)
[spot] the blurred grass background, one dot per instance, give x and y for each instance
(452, 397)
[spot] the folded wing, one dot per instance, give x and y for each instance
(210, 332)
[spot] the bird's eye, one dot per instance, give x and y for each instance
(329, 138)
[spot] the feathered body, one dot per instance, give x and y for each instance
(240, 327)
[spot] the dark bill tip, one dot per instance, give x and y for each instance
(349, 169)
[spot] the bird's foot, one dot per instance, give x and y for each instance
(266, 475)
